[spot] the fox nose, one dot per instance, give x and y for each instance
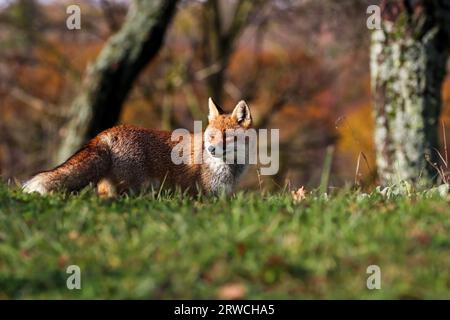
(212, 150)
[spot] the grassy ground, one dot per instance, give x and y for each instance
(251, 246)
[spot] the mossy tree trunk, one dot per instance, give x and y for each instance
(408, 66)
(109, 78)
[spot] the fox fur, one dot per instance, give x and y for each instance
(128, 158)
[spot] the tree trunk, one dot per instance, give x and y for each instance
(220, 38)
(408, 65)
(109, 79)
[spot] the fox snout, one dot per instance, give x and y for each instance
(221, 148)
(215, 150)
(212, 150)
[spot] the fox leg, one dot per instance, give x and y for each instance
(106, 188)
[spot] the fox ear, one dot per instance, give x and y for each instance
(214, 110)
(242, 114)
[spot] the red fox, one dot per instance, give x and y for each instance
(128, 158)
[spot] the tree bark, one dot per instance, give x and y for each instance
(408, 66)
(109, 79)
(220, 38)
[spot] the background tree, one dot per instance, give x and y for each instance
(109, 79)
(303, 66)
(223, 21)
(408, 66)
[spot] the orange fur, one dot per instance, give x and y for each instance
(128, 158)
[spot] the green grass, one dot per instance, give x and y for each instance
(178, 247)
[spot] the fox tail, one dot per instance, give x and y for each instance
(86, 166)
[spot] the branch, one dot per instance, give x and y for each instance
(35, 103)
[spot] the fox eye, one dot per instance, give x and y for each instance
(213, 136)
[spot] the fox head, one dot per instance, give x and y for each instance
(222, 129)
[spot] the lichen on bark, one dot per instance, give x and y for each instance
(408, 63)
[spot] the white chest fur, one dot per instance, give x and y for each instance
(222, 177)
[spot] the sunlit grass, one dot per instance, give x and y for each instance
(266, 246)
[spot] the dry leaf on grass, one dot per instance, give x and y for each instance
(232, 291)
(299, 195)
(73, 235)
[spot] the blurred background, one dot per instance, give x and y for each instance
(303, 67)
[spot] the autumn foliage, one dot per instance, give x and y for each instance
(303, 79)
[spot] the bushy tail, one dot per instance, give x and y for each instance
(88, 165)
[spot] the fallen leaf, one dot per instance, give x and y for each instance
(232, 291)
(62, 261)
(299, 195)
(73, 235)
